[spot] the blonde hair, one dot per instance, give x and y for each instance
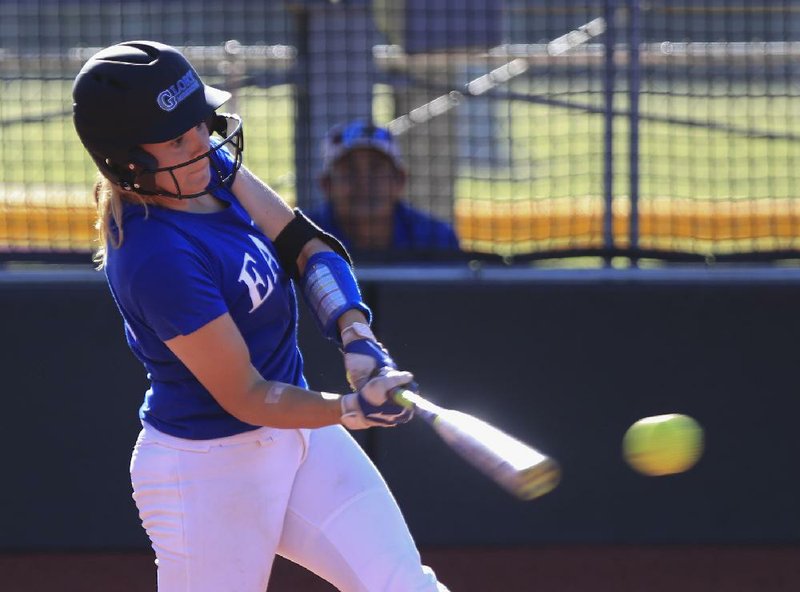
(109, 199)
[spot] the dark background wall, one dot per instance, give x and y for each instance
(569, 366)
(564, 360)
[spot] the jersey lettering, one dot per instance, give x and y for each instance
(253, 279)
(267, 255)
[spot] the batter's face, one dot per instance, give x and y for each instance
(189, 179)
(363, 187)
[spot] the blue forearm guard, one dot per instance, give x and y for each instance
(330, 289)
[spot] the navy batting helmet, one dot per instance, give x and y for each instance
(144, 92)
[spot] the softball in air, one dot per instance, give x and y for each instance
(663, 444)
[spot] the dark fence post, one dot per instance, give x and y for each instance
(634, 78)
(610, 10)
(303, 144)
(333, 80)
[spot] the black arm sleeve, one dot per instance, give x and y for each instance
(291, 240)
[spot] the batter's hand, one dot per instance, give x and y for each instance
(363, 354)
(372, 406)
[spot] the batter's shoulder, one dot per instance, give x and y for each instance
(149, 240)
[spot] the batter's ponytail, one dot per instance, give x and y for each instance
(109, 199)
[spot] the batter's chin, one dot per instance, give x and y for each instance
(198, 180)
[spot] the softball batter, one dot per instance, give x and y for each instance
(237, 460)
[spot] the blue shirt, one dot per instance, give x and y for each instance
(413, 229)
(176, 271)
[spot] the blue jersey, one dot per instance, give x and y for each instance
(176, 271)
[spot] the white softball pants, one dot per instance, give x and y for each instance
(217, 512)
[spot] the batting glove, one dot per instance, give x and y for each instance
(363, 355)
(373, 406)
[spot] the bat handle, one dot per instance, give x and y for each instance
(408, 398)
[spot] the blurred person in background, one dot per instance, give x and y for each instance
(237, 459)
(363, 180)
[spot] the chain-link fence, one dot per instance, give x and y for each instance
(533, 128)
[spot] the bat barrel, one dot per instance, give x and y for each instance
(519, 468)
(532, 482)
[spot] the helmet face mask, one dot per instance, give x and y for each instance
(231, 139)
(144, 92)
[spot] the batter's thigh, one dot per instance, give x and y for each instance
(343, 524)
(214, 509)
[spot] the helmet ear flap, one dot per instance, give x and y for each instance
(139, 173)
(134, 174)
(142, 160)
(118, 173)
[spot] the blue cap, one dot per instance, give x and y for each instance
(343, 138)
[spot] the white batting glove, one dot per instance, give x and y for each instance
(363, 354)
(373, 406)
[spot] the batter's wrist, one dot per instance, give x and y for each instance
(355, 331)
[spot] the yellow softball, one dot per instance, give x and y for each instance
(663, 444)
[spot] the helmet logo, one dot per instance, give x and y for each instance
(170, 97)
